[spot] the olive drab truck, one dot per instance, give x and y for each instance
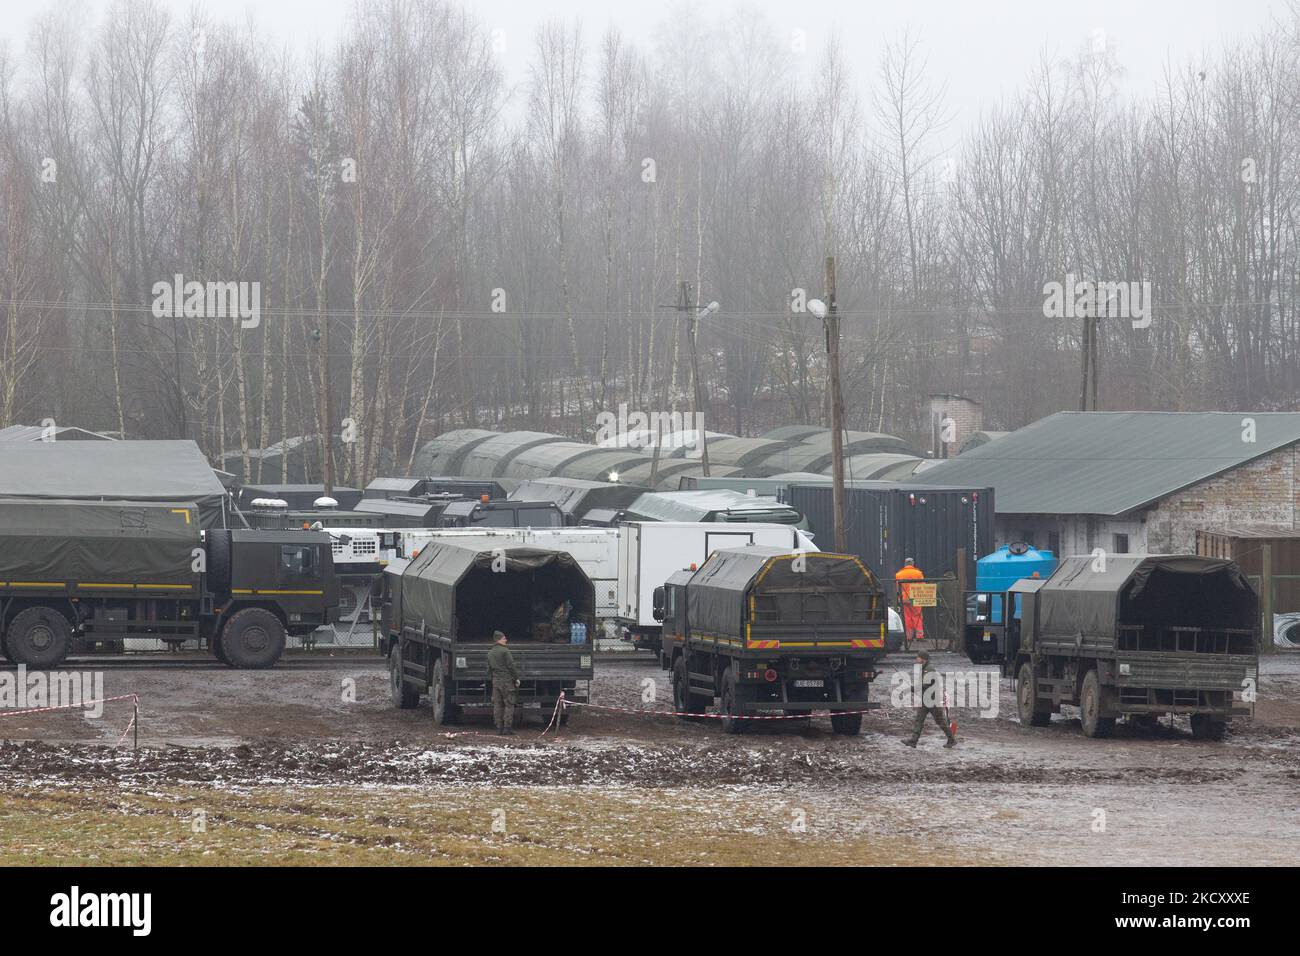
(438, 611)
(1136, 636)
(770, 631)
(78, 576)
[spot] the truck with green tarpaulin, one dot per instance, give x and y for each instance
(438, 612)
(80, 575)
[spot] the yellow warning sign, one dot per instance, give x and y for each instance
(924, 595)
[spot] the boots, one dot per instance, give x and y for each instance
(952, 742)
(908, 742)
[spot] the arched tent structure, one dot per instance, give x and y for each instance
(599, 465)
(878, 466)
(860, 443)
(740, 452)
(681, 444)
(445, 454)
(798, 457)
(549, 459)
(794, 432)
(639, 474)
(492, 458)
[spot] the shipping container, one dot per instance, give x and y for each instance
(943, 529)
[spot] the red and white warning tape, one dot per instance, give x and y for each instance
(134, 698)
(80, 706)
(675, 713)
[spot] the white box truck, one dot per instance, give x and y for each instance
(650, 551)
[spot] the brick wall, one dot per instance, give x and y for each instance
(968, 415)
(1262, 494)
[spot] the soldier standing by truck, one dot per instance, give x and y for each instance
(505, 680)
(928, 703)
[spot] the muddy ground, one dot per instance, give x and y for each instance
(319, 734)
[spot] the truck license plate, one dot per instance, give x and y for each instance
(810, 683)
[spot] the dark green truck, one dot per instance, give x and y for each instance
(438, 612)
(1134, 635)
(83, 575)
(768, 631)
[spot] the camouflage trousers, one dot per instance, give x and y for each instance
(918, 722)
(503, 703)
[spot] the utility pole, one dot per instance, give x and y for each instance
(1088, 352)
(837, 407)
(686, 304)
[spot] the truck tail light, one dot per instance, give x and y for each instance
(769, 675)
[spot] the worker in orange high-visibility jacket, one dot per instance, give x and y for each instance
(913, 625)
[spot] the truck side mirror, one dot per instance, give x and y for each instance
(658, 610)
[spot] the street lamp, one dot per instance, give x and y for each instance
(825, 313)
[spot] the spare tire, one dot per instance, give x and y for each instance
(218, 540)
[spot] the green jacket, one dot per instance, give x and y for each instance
(501, 664)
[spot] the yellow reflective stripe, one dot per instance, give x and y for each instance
(271, 591)
(35, 584)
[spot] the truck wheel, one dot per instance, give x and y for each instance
(848, 724)
(218, 651)
(253, 639)
(438, 693)
(1208, 727)
(402, 694)
(1094, 725)
(1027, 704)
(38, 637)
(732, 722)
(684, 702)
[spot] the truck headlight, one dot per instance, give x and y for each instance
(460, 662)
(584, 660)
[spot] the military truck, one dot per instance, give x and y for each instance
(84, 575)
(438, 612)
(772, 631)
(1136, 636)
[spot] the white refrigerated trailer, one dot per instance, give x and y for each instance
(650, 551)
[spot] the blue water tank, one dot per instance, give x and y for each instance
(1009, 563)
(996, 572)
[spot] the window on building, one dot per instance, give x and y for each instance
(1121, 544)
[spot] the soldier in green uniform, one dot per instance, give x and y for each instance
(505, 680)
(930, 703)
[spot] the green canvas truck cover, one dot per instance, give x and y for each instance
(718, 592)
(89, 542)
(1088, 596)
(433, 580)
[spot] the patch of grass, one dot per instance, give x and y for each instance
(109, 826)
